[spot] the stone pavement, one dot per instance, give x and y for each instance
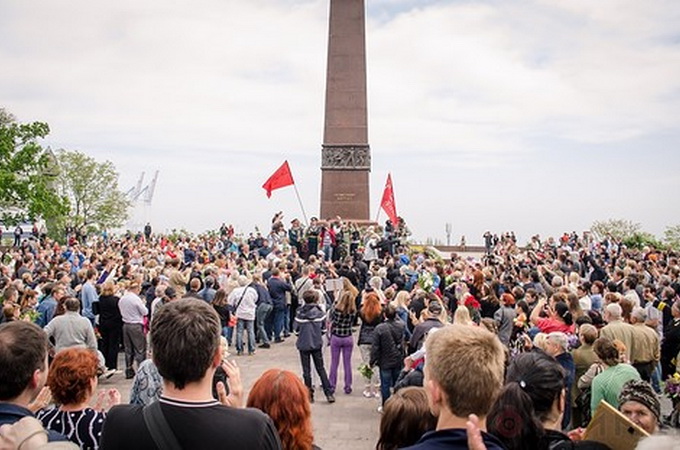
(352, 422)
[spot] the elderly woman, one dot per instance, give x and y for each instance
(73, 381)
(609, 383)
(639, 403)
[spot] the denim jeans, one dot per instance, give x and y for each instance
(250, 328)
(656, 378)
(388, 378)
(228, 333)
(327, 253)
(279, 319)
(286, 321)
(261, 313)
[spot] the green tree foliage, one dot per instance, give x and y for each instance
(617, 229)
(91, 188)
(671, 236)
(642, 239)
(25, 177)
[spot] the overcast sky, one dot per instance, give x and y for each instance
(538, 116)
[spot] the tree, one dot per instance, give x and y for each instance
(642, 239)
(617, 229)
(671, 236)
(26, 192)
(91, 189)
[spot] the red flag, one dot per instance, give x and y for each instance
(281, 178)
(387, 202)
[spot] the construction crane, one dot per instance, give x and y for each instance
(150, 189)
(135, 191)
(145, 194)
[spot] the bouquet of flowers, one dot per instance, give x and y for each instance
(426, 281)
(366, 371)
(672, 388)
(30, 316)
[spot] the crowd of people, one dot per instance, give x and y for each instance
(514, 349)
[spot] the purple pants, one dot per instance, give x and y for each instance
(342, 345)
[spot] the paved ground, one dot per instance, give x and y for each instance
(350, 423)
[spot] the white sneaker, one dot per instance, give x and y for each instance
(367, 393)
(108, 373)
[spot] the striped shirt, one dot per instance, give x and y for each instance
(608, 385)
(81, 427)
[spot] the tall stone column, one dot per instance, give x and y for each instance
(345, 154)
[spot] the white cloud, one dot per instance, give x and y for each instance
(469, 104)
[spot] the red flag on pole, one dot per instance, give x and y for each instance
(281, 178)
(387, 202)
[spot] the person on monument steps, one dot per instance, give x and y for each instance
(312, 235)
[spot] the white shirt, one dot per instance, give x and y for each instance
(247, 305)
(132, 309)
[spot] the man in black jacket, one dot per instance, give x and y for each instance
(387, 351)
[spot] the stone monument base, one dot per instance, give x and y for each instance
(345, 193)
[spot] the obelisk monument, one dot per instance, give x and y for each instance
(345, 154)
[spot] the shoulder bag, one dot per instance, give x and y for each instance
(232, 318)
(159, 428)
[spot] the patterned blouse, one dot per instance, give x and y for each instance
(147, 386)
(81, 427)
(341, 323)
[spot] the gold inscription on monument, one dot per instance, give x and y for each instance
(343, 197)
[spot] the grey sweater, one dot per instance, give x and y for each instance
(71, 330)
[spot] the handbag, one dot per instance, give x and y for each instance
(232, 320)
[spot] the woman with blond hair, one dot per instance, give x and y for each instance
(341, 319)
(110, 324)
(282, 396)
(462, 316)
(401, 302)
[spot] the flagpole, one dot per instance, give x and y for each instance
(378, 215)
(304, 215)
